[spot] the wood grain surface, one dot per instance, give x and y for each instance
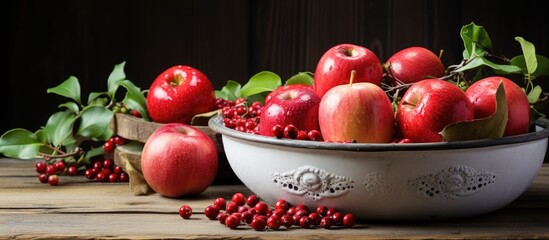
(81, 209)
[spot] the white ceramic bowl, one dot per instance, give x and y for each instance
(417, 181)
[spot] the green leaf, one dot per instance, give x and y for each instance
(481, 61)
(94, 95)
(60, 128)
(529, 52)
(301, 78)
(475, 40)
(21, 143)
(541, 70)
(135, 99)
(93, 153)
(231, 91)
(492, 126)
(71, 106)
(116, 76)
(202, 119)
(534, 94)
(94, 121)
(70, 88)
(261, 82)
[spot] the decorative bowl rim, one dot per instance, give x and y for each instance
(216, 124)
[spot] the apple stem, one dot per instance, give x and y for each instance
(353, 73)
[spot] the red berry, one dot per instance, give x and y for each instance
(282, 204)
(108, 146)
(108, 163)
(220, 203)
(330, 211)
(232, 221)
(252, 200)
(211, 212)
(239, 199)
(261, 208)
(242, 209)
(287, 221)
(113, 177)
(277, 131)
(124, 177)
(247, 216)
(89, 174)
(60, 166)
(326, 222)
(72, 170)
(302, 206)
(258, 224)
(53, 180)
(231, 207)
(274, 222)
(185, 211)
(322, 210)
(136, 113)
(305, 222)
(302, 135)
(118, 169)
(338, 218)
(315, 218)
(51, 170)
(349, 220)
(221, 217)
(279, 212)
(314, 135)
(41, 167)
(290, 131)
(101, 177)
(119, 140)
(291, 211)
(43, 178)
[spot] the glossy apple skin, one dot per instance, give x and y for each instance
(430, 105)
(179, 160)
(360, 112)
(293, 105)
(284, 88)
(481, 94)
(413, 64)
(335, 66)
(179, 93)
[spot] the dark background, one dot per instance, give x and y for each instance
(48, 41)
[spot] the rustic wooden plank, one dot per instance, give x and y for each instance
(82, 209)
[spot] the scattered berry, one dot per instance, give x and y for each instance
(185, 211)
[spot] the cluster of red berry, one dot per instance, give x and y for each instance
(292, 132)
(104, 170)
(111, 144)
(251, 211)
(239, 116)
(121, 108)
(48, 173)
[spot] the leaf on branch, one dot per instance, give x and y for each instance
(484, 128)
(94, 121)
(231, 91)
(261, 82)
(135, 99)
(475, 40)
(70, 88)
(541, 70)
(21, 143)
(529, 53)
(60, 128)
(301, 78)
(116, 76)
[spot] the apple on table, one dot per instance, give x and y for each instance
(413, 64)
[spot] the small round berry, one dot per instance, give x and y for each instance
(252, 200)
(302, 135)
(101, 177)
(232, 222)
(239, 199)
(279, 212)
(72, 170)
(53, 180)
(349, 220)
(338, 218)
(220, 203)
(261, 208)
(330, 211)
(211, 212)
(119, 140)
(282, 204)
(315, 218)
(89, 174)
(51, 170)
(113, 177)
(43, 178)
(41, 167)
(124, 177)
(221, 217)
(305, 222)
(247, 216)
(326, 222)
(60, 166)
(136, 113)
(277, 131)
(231, 207)
(314, 135)
(258, 224)
(185, 211)
(322, 210)
(290, 131)
(108, 147)
(287, 221)
(274, 222)
(108, 163)
(117, 169)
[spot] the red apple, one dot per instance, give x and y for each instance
(356, 112)
(293, 104)
(284, 88)
(334, 67)
(413, 64)
(179, 160)
(179, 93)
(430, 105)
(481, 94)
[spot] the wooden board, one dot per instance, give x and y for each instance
(82, 209)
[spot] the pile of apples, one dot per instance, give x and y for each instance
(348, 104)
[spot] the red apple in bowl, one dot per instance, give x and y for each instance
(481, 94)
(294, 104)
(179, 93)
(179, 160)
(430, 105)
(356, 112)
(413, 64)
(284, 88)
(335, 65)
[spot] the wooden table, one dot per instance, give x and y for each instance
(81, 209)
